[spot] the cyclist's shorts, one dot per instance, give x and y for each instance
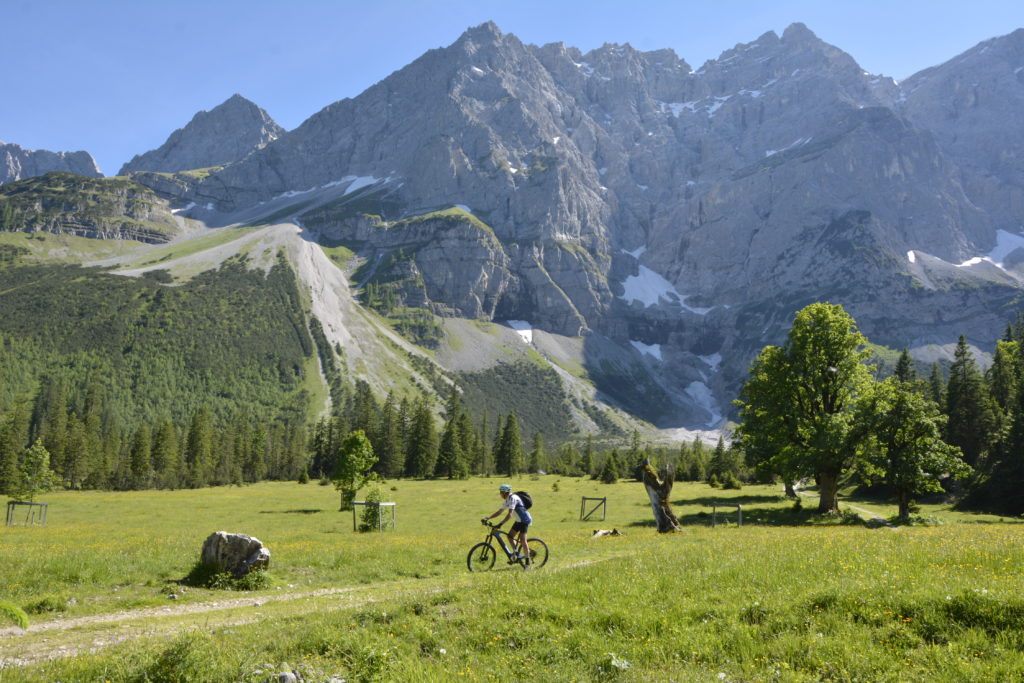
(520, 526)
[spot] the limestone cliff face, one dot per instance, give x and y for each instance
(225, 134)
(972, 105)
(100, 208)
(17, 163)
(684, 213)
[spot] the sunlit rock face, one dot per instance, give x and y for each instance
(682, 213)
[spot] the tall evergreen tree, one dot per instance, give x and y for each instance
(969, 410)
(199, 449)
(937, 386)
(14, 431)
(537, 457)
(391, 449)
(421, 453)
(587, 457)
(512, 446)
(450, 456)
(498, 450)
(1002, 375)
(50, 419)
(905, 370)
(140, 463)
(166, 457)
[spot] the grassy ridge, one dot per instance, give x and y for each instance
(786, 601)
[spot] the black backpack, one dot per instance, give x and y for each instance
(525, 497)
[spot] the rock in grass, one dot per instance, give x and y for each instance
(235, 553)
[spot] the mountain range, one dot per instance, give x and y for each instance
(638, 226)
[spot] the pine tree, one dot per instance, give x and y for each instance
(199, 450)
(50, 419)
(937, 386)
(699, 461)
(537, 457)
(450, 457)
(968, 407)
(611, 471)
(905, 370)
(635, 458)
(497, 449)
(14, 434)
(166, 457)
(140, 466)
(421, 454)
(684, 462)
(511, 446)
(485, 463)
(391, 448)
(587, 458)
(719, 462)
(1002, 375)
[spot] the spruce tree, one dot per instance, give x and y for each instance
(905, 370)
(537, 458)
(719, 461)
(140, 464)
(14, 431)
(1002, 375)
(165, 456)
(450, 457)
(971, 419)
(512, 446)
(611, 471)
(199, 450)
(587, 458)
(937, 386)
(421, 454)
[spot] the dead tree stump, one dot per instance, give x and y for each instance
(658, 491)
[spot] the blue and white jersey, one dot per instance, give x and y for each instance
(515, 503)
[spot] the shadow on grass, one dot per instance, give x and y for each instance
(754, 516)
(729, 500)
(289, 512)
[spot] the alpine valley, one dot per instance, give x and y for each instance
(597, 241)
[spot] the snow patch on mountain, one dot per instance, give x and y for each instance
(650, 349)
(649, 288)
(524, 329)
(702, 396)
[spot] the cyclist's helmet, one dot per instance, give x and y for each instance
(505, 488)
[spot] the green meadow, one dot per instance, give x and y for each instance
(785, 597)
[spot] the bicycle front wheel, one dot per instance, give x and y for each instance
(538, 552)
(481, 557)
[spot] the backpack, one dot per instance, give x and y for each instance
(525, 497)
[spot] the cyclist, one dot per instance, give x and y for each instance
(512, 503)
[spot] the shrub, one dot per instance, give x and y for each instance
(370, 516)
(204, 576)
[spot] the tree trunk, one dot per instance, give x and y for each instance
(790, 490)
(828, 485)
(658, 491)
(903, 498)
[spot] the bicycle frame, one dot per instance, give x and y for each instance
(497, 534)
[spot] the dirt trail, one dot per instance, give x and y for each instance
(78, 635)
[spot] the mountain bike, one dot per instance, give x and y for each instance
(482, 556)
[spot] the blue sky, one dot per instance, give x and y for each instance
(116, 77)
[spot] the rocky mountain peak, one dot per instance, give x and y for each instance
(17, 163)
(228, 132)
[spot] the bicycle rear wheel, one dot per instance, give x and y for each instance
(538, 553)
(481, 557)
